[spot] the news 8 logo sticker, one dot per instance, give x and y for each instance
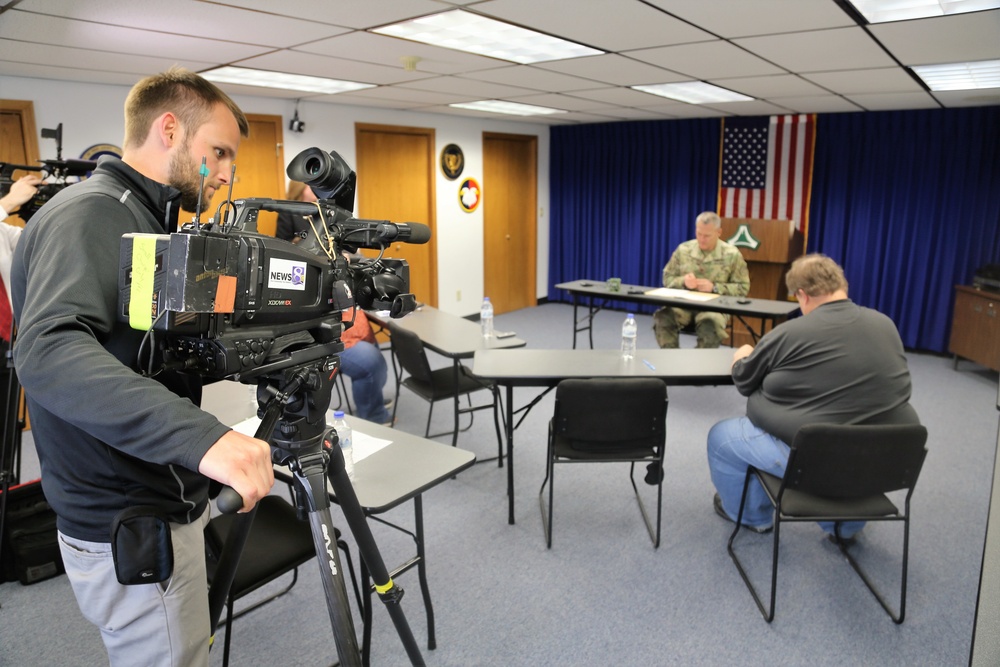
(286, 274)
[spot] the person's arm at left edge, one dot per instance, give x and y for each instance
(21, 190)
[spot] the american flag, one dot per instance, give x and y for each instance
(767, 168)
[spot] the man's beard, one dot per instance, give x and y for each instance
(185, 177)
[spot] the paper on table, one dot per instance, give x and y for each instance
(364, 445)
(672, 293)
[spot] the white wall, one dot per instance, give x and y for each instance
(92, 114)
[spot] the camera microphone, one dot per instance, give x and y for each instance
(407, 232)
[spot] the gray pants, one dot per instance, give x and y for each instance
(710, 327)
(163, 624)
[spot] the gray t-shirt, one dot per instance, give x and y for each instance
(840, 364)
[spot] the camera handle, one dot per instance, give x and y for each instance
(312, 462)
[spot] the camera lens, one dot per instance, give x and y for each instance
(313, 166)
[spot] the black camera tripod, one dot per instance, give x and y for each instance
(292, 405)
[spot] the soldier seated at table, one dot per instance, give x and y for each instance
(703, 264)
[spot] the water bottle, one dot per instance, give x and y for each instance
(346, 441)
(629, 332)
(486, 317)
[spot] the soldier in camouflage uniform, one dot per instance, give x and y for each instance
(704, 264)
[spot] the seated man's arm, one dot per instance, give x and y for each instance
(738, 281)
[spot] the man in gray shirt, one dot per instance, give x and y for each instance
(839, 364)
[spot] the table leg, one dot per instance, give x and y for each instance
(418, 510)
(454, 435)
(510, 453)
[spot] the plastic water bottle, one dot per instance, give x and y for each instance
(486, 317)
(346, 437)
(629, 332)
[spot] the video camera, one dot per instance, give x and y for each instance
(59, 170)
(237, 304)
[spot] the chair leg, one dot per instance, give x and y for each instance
(896, 618)
(547, 513)
(654, 534)
(768, 613)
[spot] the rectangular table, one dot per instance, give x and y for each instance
(389, 477)
(597, 294)
(546, 368)
(448, 335)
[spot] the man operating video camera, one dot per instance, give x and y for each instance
(118, 447)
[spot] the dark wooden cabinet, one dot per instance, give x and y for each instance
(975, 326)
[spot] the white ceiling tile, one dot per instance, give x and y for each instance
(190, 17)
(383, 50)
(564, 102)
(600, 24)
(528, 76)
(969, 98)
(707, 60)
(752, 108)
(625, 97)
(818, 104)
(613, 69)
(478, 89)
(819, 50)
(333, 68)
(781, 85)
(742, 18)
(890, 101)
(947, 39)
(881, 80)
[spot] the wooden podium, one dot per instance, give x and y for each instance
(769, 247)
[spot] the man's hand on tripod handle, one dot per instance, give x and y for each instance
(240, 462)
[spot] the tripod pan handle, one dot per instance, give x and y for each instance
(229, 501)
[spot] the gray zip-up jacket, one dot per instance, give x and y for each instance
(107, 437)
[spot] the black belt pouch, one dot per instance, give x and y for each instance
(141, 546)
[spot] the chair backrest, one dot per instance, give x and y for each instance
(611, 413)
(854, 460)
(409, 349)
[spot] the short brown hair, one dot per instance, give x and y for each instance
(181, 92)
(816, 275)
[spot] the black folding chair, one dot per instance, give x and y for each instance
(611, 420)
(841, 473)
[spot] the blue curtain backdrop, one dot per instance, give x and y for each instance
(625, 194)
(907, 201)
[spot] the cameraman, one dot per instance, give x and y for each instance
(21, 191)
(109, 437)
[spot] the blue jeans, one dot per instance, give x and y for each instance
(365, 365)
(733, 445)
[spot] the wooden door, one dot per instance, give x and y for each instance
(260, 171)
(396, 183)
(509, 205)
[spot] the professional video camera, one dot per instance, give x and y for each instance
(58, 171)
(237, 304)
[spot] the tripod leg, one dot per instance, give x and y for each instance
(387, 590)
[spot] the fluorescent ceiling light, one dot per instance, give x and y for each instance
(961, 76)
(262, 78)
(882, 11)
(694, 92)
(464, 31)
(512, 108)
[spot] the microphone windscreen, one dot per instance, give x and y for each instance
(419, 233)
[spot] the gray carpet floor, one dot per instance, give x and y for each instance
(602, 595)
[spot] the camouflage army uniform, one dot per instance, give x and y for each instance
(725, 267)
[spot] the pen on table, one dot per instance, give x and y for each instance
(649, 365)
